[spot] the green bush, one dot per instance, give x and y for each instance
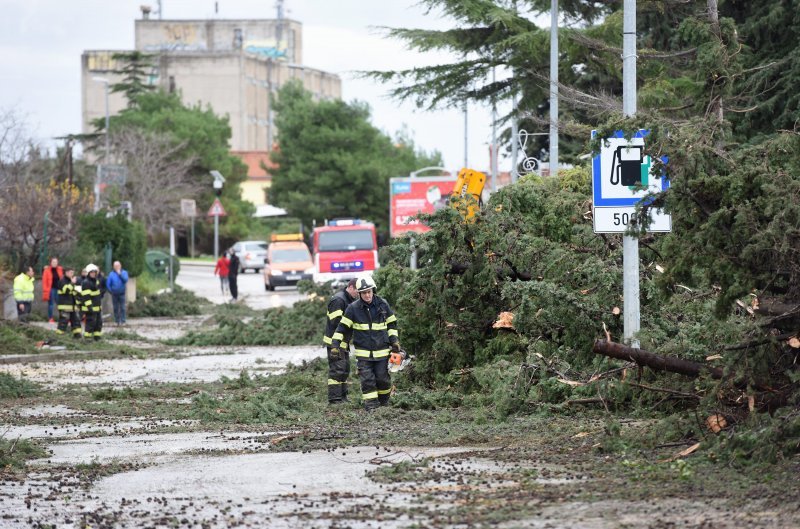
(128, 240)
(301, 324)
(13, 388)
(14, 453)
(178, 302)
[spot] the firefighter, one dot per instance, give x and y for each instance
(90, 296)
(338, 364)
(370, 327)
(67, 304)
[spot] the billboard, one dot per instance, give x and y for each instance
(410, 196)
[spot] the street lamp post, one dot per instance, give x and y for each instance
(219, 180)
(99, 171)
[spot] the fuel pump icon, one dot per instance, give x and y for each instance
(627, 166)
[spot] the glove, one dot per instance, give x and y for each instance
(396, 347)
(335, 353)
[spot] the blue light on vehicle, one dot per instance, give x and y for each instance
(344, 222)
(347, 266)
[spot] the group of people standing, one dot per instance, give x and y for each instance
(228, 271)
(76, 298)
(362, 322)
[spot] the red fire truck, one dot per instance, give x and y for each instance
(344, 249)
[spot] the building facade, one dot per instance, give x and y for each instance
(231, 65)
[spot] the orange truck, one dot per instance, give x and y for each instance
(288, 261)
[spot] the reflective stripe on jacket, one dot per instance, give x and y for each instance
(66, 295)
(370, 332)
(90, 295)
(23, 288)
(336, 307)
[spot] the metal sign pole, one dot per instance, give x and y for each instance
(216, 237)
(192, 236)
(554, 88)
(630, 245)
(171, 256)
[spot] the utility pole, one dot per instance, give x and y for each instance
(630, 244)
(554, 88)
(494, 137)
(514, 141)
(466, 137)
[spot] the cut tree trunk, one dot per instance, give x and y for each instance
(654, 361)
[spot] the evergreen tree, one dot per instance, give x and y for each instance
(137, 68)
(332, 162)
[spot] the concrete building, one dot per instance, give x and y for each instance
(231, 65)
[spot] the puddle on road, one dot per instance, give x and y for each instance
(262, 475)
(161, 328)
(48, 410)
(155, 447)
(274, 489)
(76, 429)
(198, 364)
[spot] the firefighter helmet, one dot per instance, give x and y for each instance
(365, 283)
(91, 268)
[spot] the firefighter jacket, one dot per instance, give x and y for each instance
(90, 295)
(336, 307)
(23, 288)
(67, 296)
(370, 329)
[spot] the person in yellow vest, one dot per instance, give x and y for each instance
(23, 293)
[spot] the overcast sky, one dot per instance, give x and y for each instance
(41, 42)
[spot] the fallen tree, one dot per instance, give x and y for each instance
(654, 361)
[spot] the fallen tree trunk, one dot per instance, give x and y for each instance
(654, 361)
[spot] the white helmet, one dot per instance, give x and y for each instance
(365, 283)
(91, 268)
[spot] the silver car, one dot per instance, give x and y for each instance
(251, 255)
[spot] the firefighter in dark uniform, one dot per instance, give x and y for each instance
(339, 363)
(67, 304)
(370, 327)
(91, 296)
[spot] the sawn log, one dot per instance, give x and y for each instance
(654, 361)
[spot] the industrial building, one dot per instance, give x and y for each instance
(232, 65)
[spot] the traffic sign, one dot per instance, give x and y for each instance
(216, 209)
(188, 207)
(623, 176)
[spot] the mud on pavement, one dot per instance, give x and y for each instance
(217, 437)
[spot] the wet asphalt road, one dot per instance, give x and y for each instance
(200, 279)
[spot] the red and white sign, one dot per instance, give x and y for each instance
(410, 196)
(216, 209)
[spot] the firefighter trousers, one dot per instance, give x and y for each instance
(94, 324)
(338, 371)
(376, 385)
(71, 319)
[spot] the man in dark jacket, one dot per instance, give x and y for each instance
(339, 366)
(115, 284)
(233, 274)
(370, 328)
(91, 296)
(68, 305)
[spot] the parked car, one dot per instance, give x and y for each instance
(251, 255)
(288, 261)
